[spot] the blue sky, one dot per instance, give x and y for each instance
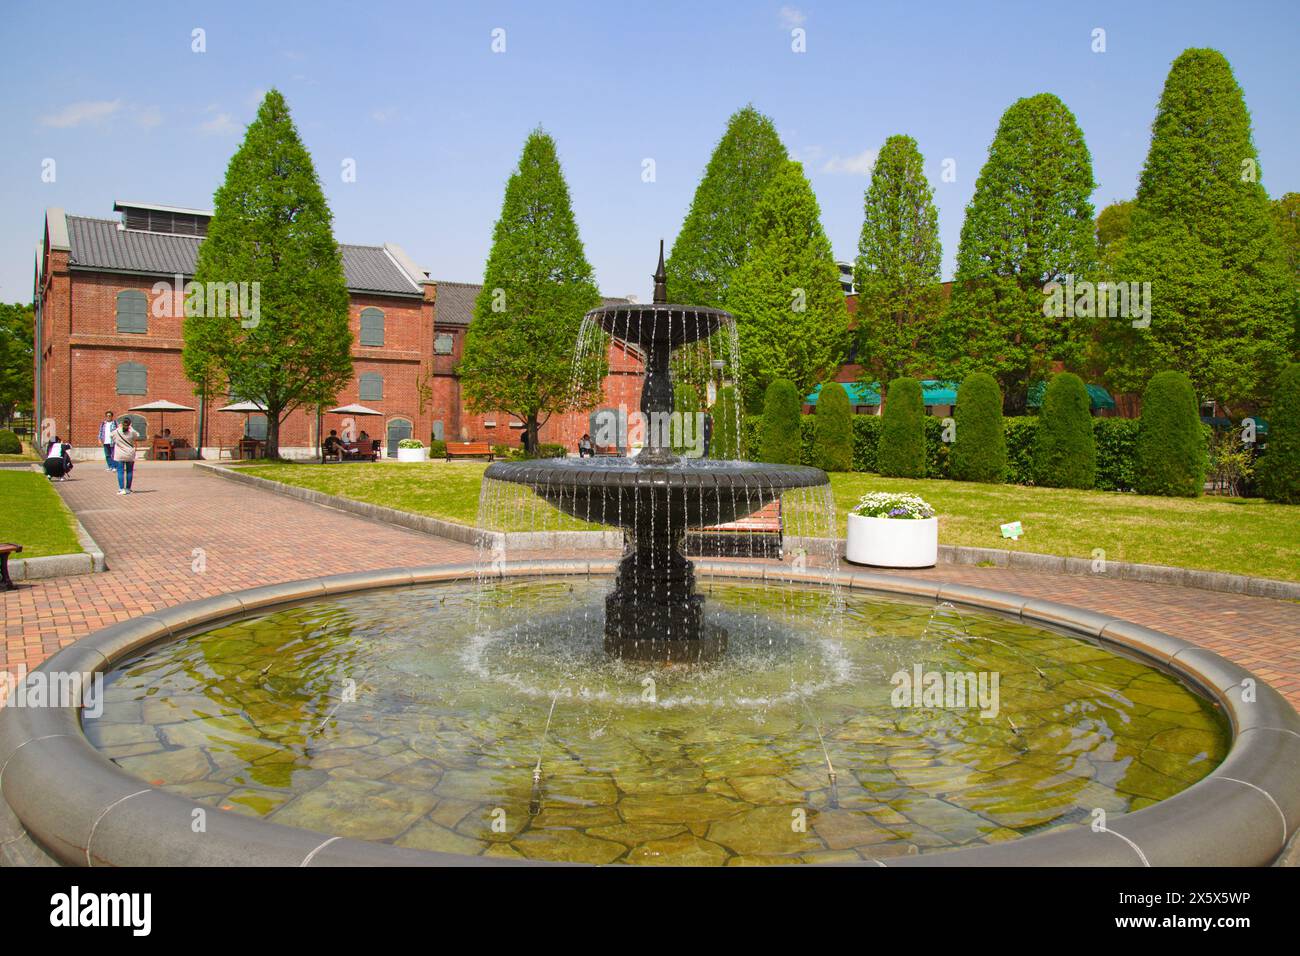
(434, 119)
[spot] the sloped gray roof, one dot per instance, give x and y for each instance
(100, 244)
(455, 302)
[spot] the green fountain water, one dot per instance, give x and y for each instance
(420, 717)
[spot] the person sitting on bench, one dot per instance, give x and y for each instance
(333, 444)
(585, 448)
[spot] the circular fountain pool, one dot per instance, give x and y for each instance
(489, 721)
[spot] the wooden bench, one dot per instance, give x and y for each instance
(468, 449)
(759, 535)
(6, 582)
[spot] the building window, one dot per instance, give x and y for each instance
(132, 379)
(371, 387)
(256, 427)
(442, 344)
(132, 309)
(372, 326)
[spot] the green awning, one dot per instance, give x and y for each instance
(859, 393)
(1098, 397)
(935, 392)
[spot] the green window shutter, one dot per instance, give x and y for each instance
(257, 427)
(442, 344)
(132, 312)
(371, 387)
(132, 379)
(372, 326)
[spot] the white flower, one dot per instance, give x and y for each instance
(886, 504)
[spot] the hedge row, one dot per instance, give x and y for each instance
(1116, 440)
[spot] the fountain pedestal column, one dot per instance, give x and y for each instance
(653, 611)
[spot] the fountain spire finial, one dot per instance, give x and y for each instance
(661, 279)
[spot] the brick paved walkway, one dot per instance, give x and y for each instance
(250, 537)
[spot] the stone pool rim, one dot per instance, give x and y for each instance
(64, 801)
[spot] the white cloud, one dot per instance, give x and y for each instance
(385, 115)
(79, 114)
(859, 165)
(792, 17)
(808, 155)
(220, 124)
(147, 116)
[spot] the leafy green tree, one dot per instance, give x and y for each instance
(1066, 451)
(979, 449)
(902, 433)
(790, 314)
(897, 272)
(833, 436)
(1280, 465)
(272, 228)
(713, 240)
(1113, 224)
(1171, 450)
(536, 288)
(1286, 217)
(1223, 303)
(1029, 224)
(686, 402)
(780, 441)
(16, 348)
(726, 426)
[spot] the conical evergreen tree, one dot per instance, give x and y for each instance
(1222, 300)
(271, 228)
(1065, 453)
(1030, 223)
(781, 438)
(979, 452)
(789, 307)
(833, 435)
(713, 240)
(901, 453)
(897, 272)
(537, 286)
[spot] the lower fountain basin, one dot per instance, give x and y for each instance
(58, 789)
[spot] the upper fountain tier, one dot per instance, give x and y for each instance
(659, 325)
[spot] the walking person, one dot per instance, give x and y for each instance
(124, 455)
(58, 460)
(106, 429)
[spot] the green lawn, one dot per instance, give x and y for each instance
(35, 516)
(447, 490)
(1236, 535)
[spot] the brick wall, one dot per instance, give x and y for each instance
(83, 351)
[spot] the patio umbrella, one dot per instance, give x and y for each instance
(245, 408)
(162, 407)
(353, 409)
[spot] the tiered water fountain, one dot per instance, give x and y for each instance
(656, 498)
(526, 711)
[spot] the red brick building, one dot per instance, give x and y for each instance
(109, 311)
(454, 309)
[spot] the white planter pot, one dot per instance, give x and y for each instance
(893, 542)
(412, 454)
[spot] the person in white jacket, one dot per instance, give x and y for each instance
(106, 429)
